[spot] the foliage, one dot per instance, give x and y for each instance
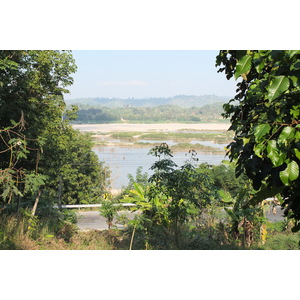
(283, 241)
(140, 178)
(69, 161)
(223, 177)
(38, 147)
(265, 118)
(109, 210)
(173, 196)
(162, 113)
(246, 218)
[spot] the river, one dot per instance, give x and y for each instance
(125, 160)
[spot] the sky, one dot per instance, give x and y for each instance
(147, 73)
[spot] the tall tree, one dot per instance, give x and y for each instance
(265, 118)
(37, 145)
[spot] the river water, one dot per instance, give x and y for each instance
(125, 160)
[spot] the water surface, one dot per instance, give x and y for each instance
(125, 160)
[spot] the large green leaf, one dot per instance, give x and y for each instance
(278, 86)
(286, 134)
(293, 52)
(291, 173)
(243, 66)
(277, 157)
(261, 130)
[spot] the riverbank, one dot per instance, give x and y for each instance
(166, 127)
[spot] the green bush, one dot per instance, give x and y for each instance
(283, 241)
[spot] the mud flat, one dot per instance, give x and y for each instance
(128, 127)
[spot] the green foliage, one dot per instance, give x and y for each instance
(173, 196)
(162, 113)
(68, 160)
(38, 147)
(109, 210)
(283, 241)
(140, 178)
(223, 178)
(265, 118)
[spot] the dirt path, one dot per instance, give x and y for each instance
(126, 127)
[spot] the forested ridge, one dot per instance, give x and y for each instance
(179, 100)
(181, 108)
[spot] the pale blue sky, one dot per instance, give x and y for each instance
(143, 73)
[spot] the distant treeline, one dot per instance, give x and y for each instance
(163, 113)
(179, 100)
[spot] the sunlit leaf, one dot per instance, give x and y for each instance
(291, 173)
(261, 130)
(278, 86)
(286, 134)
(243, 66)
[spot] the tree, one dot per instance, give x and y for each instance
(38, 147)
(265, 118)
(32, 84)
(184, 189)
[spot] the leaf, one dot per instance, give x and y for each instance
(261, 130)
(260, 67)
(272, 146)
(243, 66)
(277, 157)
(286, 134)
(258, 149)
(293, 52)
(291, 173)
(279, 85)
(297, 153)
(226, 197)
(231, 214)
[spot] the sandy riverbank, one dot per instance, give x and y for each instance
(128, 127)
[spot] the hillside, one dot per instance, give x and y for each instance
(180, 100)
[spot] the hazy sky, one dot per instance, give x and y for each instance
(143, 73)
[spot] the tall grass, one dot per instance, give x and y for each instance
(21, 232)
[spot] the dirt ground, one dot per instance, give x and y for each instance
(128, 127)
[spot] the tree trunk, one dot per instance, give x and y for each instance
(132, 236)
(37, 198)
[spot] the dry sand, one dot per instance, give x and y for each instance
(128, 127)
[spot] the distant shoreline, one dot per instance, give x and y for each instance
(158, 127)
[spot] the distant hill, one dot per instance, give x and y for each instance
(180, 100)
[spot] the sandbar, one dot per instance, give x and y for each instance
(159, 127)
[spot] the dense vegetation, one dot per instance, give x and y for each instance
(162, 113)
(43, 160)
(265, 118)
(181, 207)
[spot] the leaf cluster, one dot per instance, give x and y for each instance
(264, 115)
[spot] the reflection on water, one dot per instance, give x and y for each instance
(125, 160)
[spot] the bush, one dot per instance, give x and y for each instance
(283, 241)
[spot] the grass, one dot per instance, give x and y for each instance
(217, 137)
(18, 232)
(212, 136)
(196, 147)
(124, 135)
